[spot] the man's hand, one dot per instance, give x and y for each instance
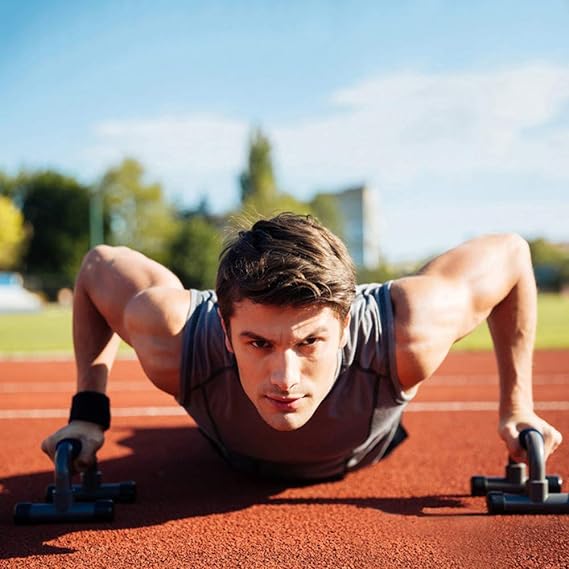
(511, 426)
(89, 434)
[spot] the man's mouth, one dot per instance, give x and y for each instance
(282, 403)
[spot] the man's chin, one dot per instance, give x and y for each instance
(286, 421)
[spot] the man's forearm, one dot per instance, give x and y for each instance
(512, 324)
(94, 342)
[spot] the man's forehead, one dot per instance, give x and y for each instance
(255, 317)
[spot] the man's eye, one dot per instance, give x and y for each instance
(262, 344)
(309, 341)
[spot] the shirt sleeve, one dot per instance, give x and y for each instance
(204, 352)
(372, 343)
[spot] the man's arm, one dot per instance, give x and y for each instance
(486, 278)
(120, 293)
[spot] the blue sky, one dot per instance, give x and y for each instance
(456, 113)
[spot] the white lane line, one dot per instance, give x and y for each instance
(175, 411)
(449, 406)
(492, 379)
(429, 406)
(61, 386)
(55, 356)
(118, 412)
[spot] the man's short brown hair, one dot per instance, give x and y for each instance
(288, 260)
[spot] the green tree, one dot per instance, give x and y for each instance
(545, 253)
(326, 209)
(551, 264)
(380, 274)
(260, 196)
(56, 207)
(6, 184)
(138, 213)
(12, 234)
(194, 252)
(258, 186)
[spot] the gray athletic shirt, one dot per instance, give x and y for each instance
(353, 425)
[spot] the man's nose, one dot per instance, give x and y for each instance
(285, 372)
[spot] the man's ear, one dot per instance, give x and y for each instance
(225, 333)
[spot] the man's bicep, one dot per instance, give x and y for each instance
(155, 319)
(449, 298)
(430, 314)
(483, 271)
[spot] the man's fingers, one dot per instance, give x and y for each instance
(48, 447)
(511, 425)
(516, 452)
(510, 432)
(90, 436)
(511, 437)
(87, 456)
(552, 439)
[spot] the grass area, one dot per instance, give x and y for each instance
(49, 331)
(552, 327)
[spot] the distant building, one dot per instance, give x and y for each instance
(13, 296)
(360, 213)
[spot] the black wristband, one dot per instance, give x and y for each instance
(91, 406)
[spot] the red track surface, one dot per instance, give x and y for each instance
(412, 510)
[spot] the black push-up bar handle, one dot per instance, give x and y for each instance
(532, 442)
(66, 452)
(64, 508)
(514, 481)
(92, 488)
(537, 500)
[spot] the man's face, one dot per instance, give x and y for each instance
(287, 358)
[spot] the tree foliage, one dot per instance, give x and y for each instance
(551, 264)
(194, 252)
(545, 253)
(7, 184)
(138, 213)
(56, 207)
(258, 186)
(326, 209)
(12, 234)
(261, 197)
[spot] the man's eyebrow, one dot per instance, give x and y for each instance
(254, 336)
(319, 330)
(316, 332)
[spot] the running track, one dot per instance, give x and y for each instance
(413, 510)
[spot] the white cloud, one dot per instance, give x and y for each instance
(409, 233)
(397, 128)
(202, 142)
(396, 131)
(191, 154)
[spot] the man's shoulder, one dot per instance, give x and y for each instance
(204, 324)
(365, 328)
(367, 297)
(204, 347)
(199, 297)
